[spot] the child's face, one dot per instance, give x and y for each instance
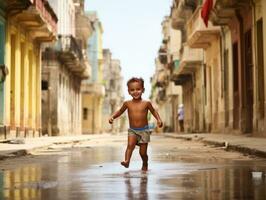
(135, 90)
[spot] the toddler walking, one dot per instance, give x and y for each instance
(138, 133)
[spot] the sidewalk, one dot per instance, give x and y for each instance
(247, 145)
(8, 150)
(244, 144)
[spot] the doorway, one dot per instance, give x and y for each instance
(260, 52)
(249, 81)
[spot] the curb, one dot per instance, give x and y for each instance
(14, 154)
(9, 154)
(228, 146)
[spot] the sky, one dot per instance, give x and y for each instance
(133, 33)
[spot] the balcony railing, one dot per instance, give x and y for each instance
(71, 54)
(68, 44)
(200, 36)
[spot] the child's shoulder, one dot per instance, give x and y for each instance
(146, 101)
(127, 102)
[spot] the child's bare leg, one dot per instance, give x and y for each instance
(144, 156)
(131, 143)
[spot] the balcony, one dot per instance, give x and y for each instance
(83, 26)
(181, 78)
(166, 30)
(200, 36)
(36, 16)
(162, 54)
(70, 53)
(190, 59)
(180, 13)
(161, 78)
(176, 64)
(223, 11)
(96, 89)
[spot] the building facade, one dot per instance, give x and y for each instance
(114, 96)
(222, 65)
(65, 65)
(25, 25)
(166, 95)
(93, 90)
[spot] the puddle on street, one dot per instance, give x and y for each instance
(96, 174)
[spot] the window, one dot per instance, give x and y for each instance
(85, 113)
(45, 85)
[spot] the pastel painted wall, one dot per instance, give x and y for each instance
(22, 86)
(92, 101)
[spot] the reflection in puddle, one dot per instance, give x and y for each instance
(134, 192)
(22, 183)
(76, 176)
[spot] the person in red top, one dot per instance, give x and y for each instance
(138, 133)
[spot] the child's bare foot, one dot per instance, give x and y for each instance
(125, 164)
(144, 167)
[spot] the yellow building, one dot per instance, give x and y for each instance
(28, 24)
(93, 89)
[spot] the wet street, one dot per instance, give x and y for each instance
(178, 169)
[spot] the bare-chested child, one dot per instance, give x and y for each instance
(138, 133)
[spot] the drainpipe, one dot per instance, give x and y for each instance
(222, 48)
(203, 91)
(222, 57)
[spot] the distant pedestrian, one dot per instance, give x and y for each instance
(180, 115)
(138, 133)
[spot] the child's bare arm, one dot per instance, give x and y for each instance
(155, 114)
(118, 113)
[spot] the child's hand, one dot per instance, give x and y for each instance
(159, 123)
(111, 120)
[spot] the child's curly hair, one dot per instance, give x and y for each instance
(135, 79)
